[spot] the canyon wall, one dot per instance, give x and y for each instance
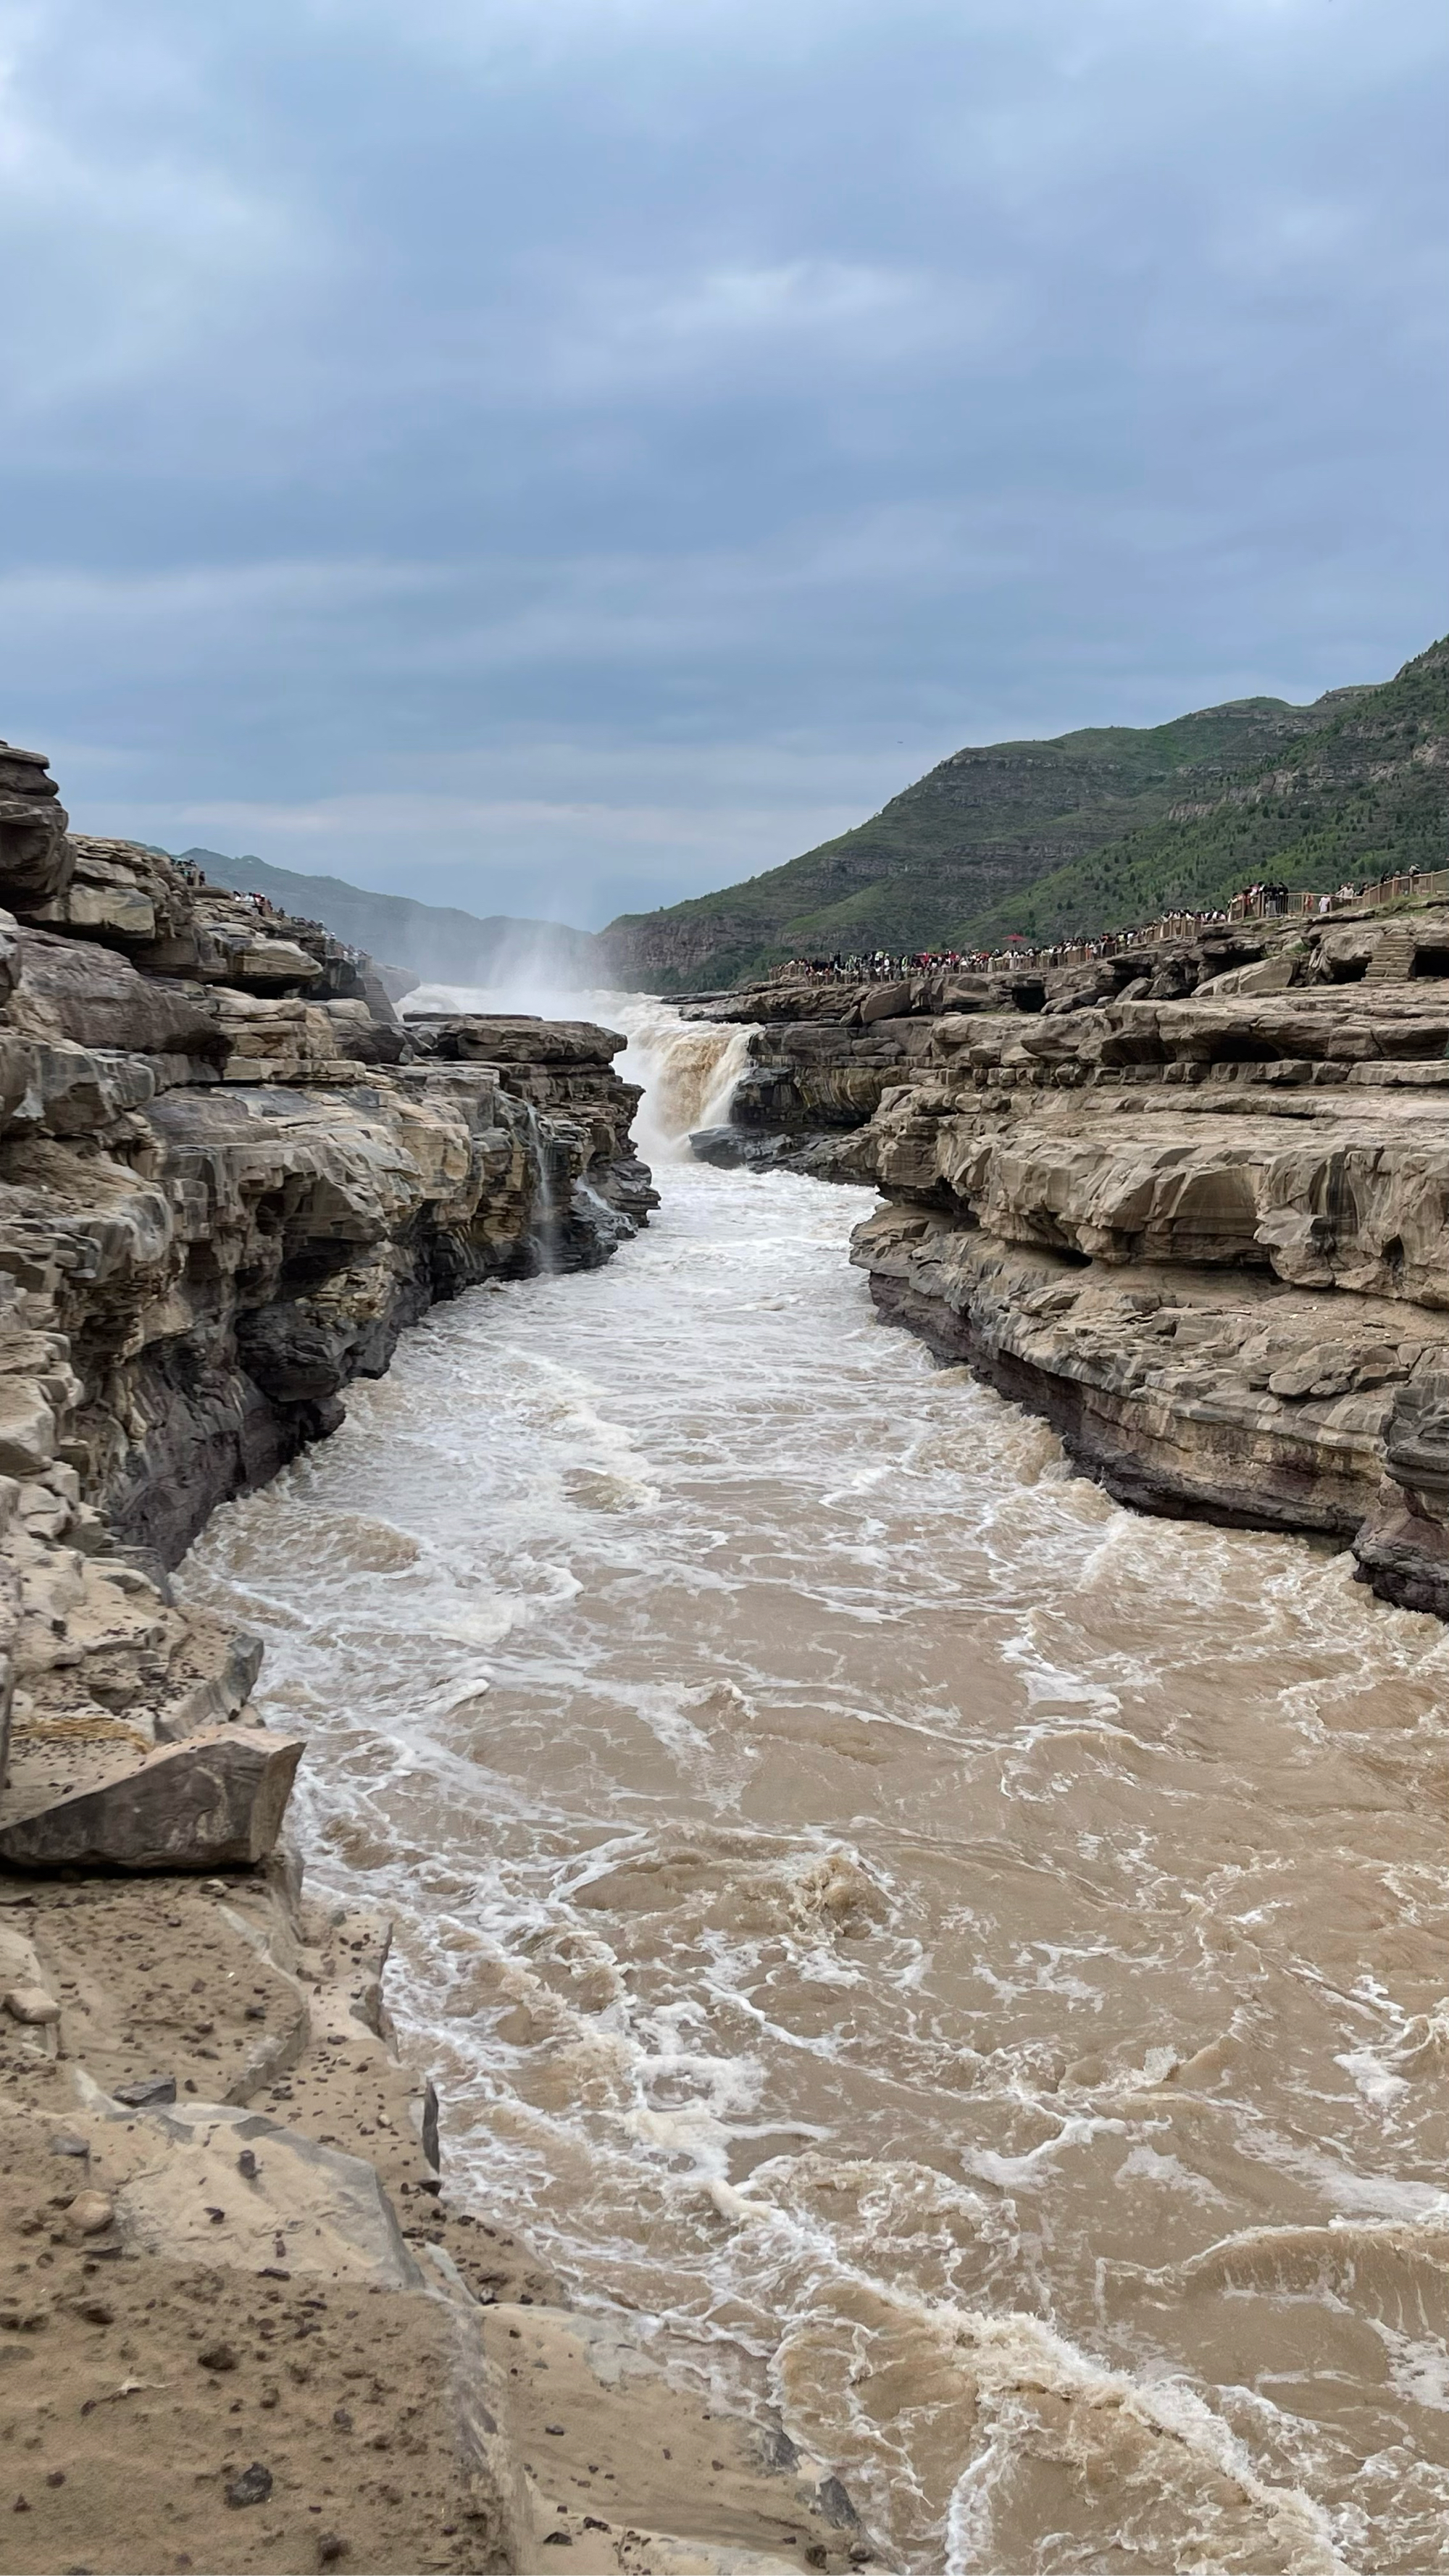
(245, 2326)
(228, 1179)
(1195, 1214)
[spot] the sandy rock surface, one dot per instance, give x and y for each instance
(263, 2272)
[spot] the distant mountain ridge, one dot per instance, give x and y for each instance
(1090, 831)
(432, 941)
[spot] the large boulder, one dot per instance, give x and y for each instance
(214, 1801)
(885, 1002)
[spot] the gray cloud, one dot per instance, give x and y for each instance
(562, 458)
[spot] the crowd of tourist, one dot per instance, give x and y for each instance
(264, 908)
(1261, 901)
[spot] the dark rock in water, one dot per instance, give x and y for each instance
(430, 2126)
(740, 1149)
(836, 2506)
(1403, 1546)
(724, 1147)
(736, 1149)
(775, 2447)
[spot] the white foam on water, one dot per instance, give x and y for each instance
(875, 1906)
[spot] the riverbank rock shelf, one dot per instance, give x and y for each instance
(1195, 1212)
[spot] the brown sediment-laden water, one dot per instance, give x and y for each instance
(970, 1962)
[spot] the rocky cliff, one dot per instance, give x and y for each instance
(1198, 1217)
(228, 1178)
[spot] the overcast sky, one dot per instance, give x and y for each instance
(557, 455)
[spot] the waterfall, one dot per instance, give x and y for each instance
(544, 1229)
(688, 1070)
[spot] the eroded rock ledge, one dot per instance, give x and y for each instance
(1197, 1217)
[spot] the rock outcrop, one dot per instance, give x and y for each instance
(1196, 1215)
(229, 1177)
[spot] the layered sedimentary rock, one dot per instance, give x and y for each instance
(229, 1177)
(1197, 1215)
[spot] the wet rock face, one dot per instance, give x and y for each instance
(1403, 1545)
(229, 1177)
(1198, 1216)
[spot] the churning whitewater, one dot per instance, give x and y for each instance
(969, 1961)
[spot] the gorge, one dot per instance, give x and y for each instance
(926, 1985)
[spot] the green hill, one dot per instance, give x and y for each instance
(1365, 795)
(1088, 831)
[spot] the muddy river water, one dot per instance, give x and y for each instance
(970, 1962)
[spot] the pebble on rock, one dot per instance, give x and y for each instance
(151, 2089)
(249, 2486)
(217, 2356)
(92, 2212)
